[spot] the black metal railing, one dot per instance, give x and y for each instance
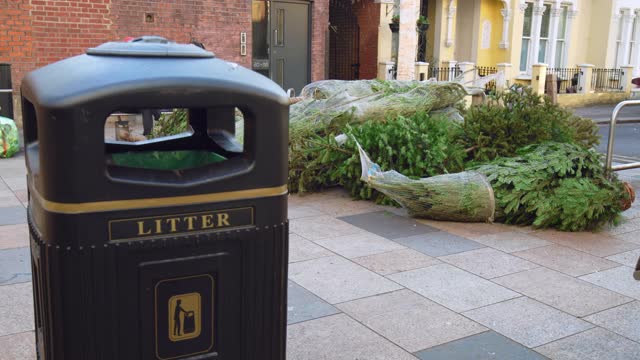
(566, 78)
(483, 71)
(444, 73)
(607, 80)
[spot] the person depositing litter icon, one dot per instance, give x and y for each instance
(184, 312)
(176, 318)
(188, 325)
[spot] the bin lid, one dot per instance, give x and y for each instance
(123, 69)
(153, 46)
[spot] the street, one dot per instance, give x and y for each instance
(603, 112)
(627, 144)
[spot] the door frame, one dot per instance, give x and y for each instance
(309, 4)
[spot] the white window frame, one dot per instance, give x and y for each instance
(523, 38)
(632, 40)
(563, 53)
(552, 62)
(619, 40)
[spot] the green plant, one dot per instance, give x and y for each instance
(172, 123)
(417, 146)
(422, 20)
(518, 118)
(395, 19)
(557, 185)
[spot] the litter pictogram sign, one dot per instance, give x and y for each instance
(184, 316)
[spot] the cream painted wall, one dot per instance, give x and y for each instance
(600, 46)
(384, 33)
(466, 39)
(490, 14)
(431, 15)
(442, 52)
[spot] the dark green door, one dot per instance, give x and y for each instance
(290, 44)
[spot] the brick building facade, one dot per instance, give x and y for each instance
(34, 33)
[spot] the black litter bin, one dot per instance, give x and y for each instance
(135, 262)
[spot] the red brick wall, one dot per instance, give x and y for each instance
(368, 14)
(34, 33)
(320, 25)
(16, 38)
(66, 28)
(217, 24)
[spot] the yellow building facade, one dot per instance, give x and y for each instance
(559, 33)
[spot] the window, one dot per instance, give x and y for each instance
(619, 41)
(632, 43)
(560, 60)
(544, 33)
(544, 41)
(526, 36)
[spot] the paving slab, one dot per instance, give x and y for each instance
(336, 279)
(488, 345)
(300, 211)
(527, 321)
(511, 241)
(302, 305)
(16, 309)
(21, 346)
(633, 236)
(338, 337)
(396, 261)
(9, 200)
(360, 244)
(623, 320)
(321, 227)
(563, 292)
(14, 236)
(629, 258)
(619, 280)
(594, 344)
(14, 170)
(468, 230)
(454, 288)
(488, 263)
(410, 320)
(15, 182)
(625, 227)
(343, 206)
(15, 265)
(387, 224)
(301, 249)
(12, 215)
(631, 213)
(439, 243)
(566, 260)
(597, 244)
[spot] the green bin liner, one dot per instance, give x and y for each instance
(166, 160)
(9, 143)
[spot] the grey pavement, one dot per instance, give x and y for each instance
(366, 282)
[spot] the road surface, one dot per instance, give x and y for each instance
(627, 144)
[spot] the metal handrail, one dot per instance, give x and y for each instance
(6, 90)
(612, 135)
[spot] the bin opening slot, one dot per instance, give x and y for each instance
(173, 139)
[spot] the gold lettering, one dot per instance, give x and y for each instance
(223, 220)
(158, 226)
(173, 221)
(190, 220)
(207, 221)
(141, 230)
